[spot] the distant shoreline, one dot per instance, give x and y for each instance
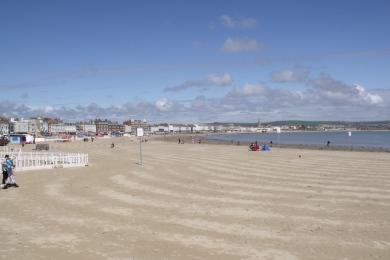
(187, 139)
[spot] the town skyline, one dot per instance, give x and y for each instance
(195, 62)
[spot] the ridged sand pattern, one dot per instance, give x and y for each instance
(203, 201)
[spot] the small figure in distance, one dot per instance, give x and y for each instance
(112, 145)
(328, 144)
(270, 143)
(179, 141)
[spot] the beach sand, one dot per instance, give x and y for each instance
(202, 201)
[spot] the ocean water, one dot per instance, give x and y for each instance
(367, 139)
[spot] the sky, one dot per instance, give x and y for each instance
(195, 61)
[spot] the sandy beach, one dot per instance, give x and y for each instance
(202, 201)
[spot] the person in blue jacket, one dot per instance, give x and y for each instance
(10, 170)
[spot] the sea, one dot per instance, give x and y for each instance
(357, 139)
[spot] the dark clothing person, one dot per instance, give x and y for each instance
(5, 177)
(4, 170)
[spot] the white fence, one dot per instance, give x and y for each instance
(45, 160)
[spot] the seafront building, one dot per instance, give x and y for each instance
(89, 129)
(62, 129)
(159, 129)
(32, 126)
(101, 127)
(17, 127)
(4, 128)
(116, 128)
(134, 124)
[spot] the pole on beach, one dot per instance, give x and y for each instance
(349, 139)
(140, 134)
(140, 151)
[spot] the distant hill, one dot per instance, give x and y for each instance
(359, 124)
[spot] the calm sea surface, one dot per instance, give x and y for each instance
(374, 139)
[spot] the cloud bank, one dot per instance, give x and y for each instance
(324, 98)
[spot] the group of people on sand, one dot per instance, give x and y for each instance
(254, 146)
(193, 141)
(8, 166)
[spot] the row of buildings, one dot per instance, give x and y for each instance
(46, 126)
(43, 126)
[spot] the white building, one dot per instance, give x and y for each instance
(276, 129)
(32, 126)
(18, 127)
(62, 128)
(45, 127)
(88, 128)
(159, 129)
(4, 128)
(201, 128)
(128, 129)
(180, 128)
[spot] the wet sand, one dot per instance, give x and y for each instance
(200, 202)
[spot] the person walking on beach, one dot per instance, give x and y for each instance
(10, 170)
(179, 141)
(328, 144)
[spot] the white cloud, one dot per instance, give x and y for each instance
(290, 75)
(163, 104)
(240, 45)
(48, 109)
(373, 99)
(220, 80)
(243, 23)
(327, 90)
(249, 90)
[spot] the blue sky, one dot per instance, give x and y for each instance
(196, 61)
